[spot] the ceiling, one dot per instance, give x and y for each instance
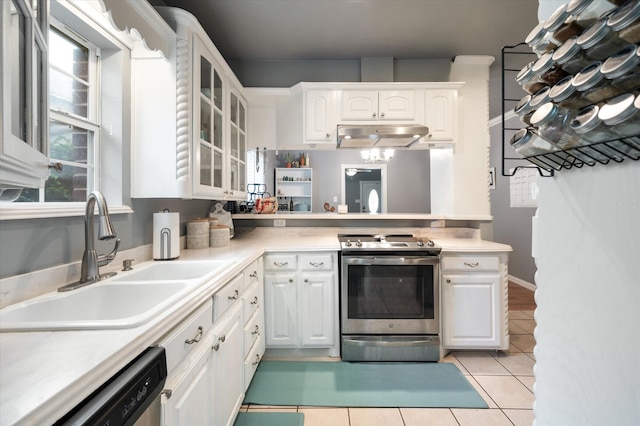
(257, 30)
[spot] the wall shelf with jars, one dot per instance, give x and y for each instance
(581, 75)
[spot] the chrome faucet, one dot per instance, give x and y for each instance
(91, 262)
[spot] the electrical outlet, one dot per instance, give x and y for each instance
(335, 198)
(437, 223)
(279, 222)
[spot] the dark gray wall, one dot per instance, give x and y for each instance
(510, 225)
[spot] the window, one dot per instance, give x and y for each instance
(74, 126)
(256, 163)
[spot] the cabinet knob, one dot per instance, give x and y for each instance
(222, 338)
(255, 300)
(257, 361)
(216, 346)
(290, 280)
(449, 281)
(328, 135)
(306, 280)
(254, 274)
(256, 331)
(382, 114)
(375, 115)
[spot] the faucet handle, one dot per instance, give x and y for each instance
(106, 259)
(126, 264)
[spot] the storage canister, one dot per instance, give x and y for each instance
(540, 40)
(565, 94)
(626, 21)
(586, 12)
(219, 236)
(593, 131)
(541, 97)
(198, 233)
(530, 82)
(599, 41)
(547, 70)
(623, 69)
(592, 84)
(570, 56)
(622, 114)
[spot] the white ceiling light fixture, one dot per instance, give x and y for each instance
(375, 156)
(351, 172)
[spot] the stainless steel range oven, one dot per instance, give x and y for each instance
(389, 298)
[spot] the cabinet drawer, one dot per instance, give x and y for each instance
(251, 301)
(251, 274)
(227, 296)
(470, 263)
(252, 360)
(187, 335)
(316, 262)
(252, 330)
(280, 262)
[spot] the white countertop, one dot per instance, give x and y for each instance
(45, 374)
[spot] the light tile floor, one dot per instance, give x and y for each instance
(504, 379)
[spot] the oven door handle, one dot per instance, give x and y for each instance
(392, 260)
(385, 343)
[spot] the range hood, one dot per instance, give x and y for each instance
(380, 135)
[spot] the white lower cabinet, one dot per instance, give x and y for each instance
(213, 354)
(301, 300)
(474, 302)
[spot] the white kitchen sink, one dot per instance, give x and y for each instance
(128, 300)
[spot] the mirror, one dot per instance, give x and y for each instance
(364, 188)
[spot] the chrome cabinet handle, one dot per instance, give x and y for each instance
(254, 274)
(306, 280)
(290, 280)
(316, 264)
(328, 135)
(256, 331)
(216, 346)
(449, 281)
(280, 264)
(255, 301)
(197, 337)
(375, 115)
(222, 338)
(382, 114)
(471, 265)
(257, 361)
(235, 296)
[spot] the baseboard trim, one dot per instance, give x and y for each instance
(522, 283)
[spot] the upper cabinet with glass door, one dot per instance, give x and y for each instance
(24, 144)
(200, 152)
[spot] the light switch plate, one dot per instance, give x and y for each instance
(279, 222)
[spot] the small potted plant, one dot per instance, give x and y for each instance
(288, 158)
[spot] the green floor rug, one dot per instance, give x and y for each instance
(269, 419)
(347, 384)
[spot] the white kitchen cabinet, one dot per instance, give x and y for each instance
(190, 120)
(474, 301)
(294, 189)
(253, 316)
(301, 300)
(440, 108)
(319, 116)
(373, 105)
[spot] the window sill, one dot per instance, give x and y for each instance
(15, 211)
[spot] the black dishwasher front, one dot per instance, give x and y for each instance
(124, 397)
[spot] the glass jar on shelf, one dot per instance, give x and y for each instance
(540, 40)
(625, 21)
(528, 143)
(600, 41)
(586, 12)
(592, 130)
(529, 82)
(561, 25)
(547, 70)
(623, 69)
(565, 94)
(622, 114)
(553, 124)
(592, 85)
(523, 110)
(540, 97)
(570, 56)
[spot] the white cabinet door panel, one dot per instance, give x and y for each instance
(316, 302)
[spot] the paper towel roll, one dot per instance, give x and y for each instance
(166, 235)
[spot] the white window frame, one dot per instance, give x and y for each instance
(82, 18)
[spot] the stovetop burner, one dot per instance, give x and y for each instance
(386, 242)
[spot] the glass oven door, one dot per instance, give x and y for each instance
(390, 294)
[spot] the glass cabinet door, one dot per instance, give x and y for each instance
(209, 99)
(238, 148)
